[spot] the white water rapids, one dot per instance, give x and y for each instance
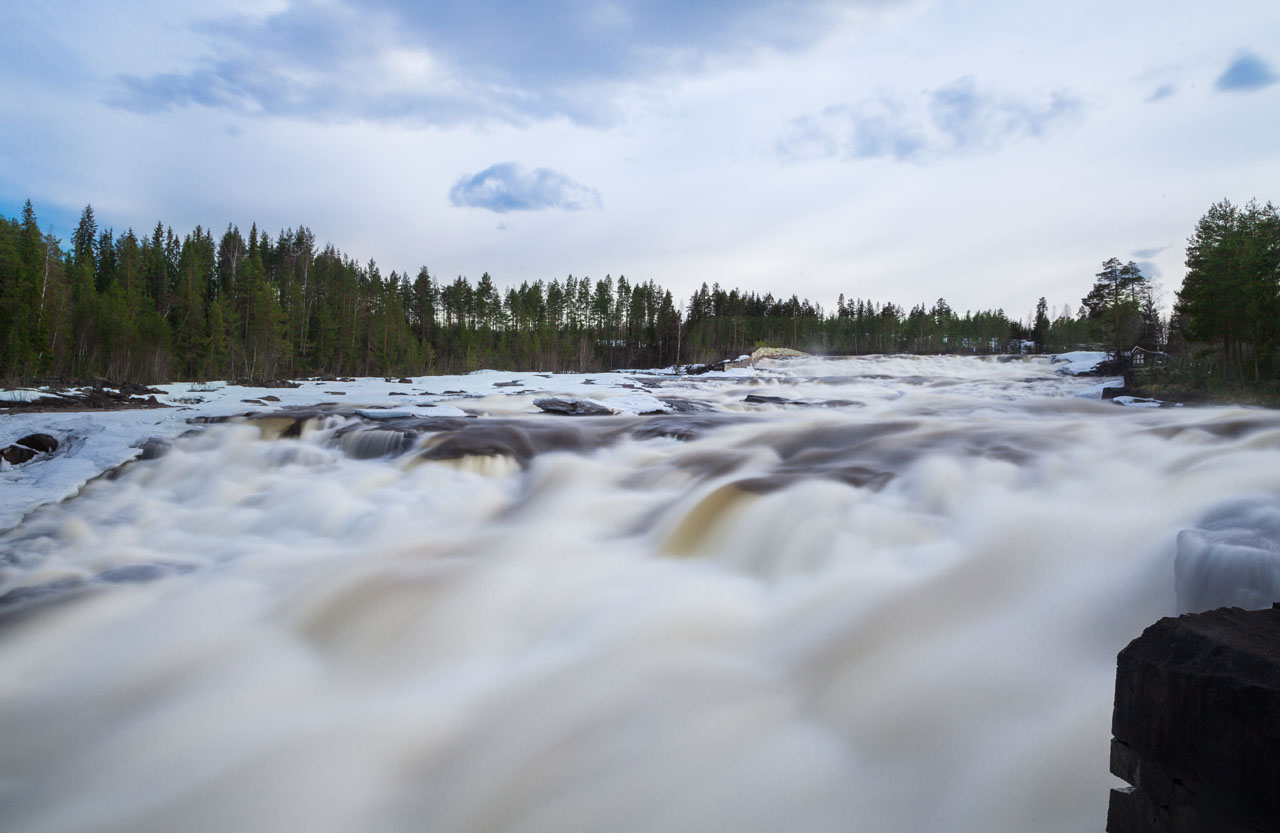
(890, 603)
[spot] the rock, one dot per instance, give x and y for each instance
(405, 381)
(16, 454)
(573, 406)
(1197, 725)
(39, 442)
(269, 398)
(155, 448)
(270, 383)
(515, 383)
(757, 399)
(134, 389)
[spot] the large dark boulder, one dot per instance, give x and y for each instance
(1197, 725)
(16, 454)
(39, 442)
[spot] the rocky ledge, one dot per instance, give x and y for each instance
(1197, 726)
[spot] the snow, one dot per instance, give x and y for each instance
(1137, 402)
(21, 395)
(1078, 361)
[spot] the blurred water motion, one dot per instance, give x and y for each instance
(895, 612)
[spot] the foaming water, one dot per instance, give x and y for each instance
(897, 612)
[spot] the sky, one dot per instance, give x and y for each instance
(988, 153)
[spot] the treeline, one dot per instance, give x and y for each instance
(1227, 315)
(162, 307)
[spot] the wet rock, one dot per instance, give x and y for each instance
(685, 406)
(757, 399)
(405, 381)
(16, 454)
(573, 406)
(1197, 707)
(515, 383)
(269, 398)
(155, 448)
(39, 442)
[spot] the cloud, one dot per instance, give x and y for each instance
(956, 119)
(1246, 72)
(1149, 269)
(507, 186)
(1161, 92)
(1146, 254)
(445, 63)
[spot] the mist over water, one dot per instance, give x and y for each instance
(890, 602)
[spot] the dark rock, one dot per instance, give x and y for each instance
(155, 448)
(39, 442)
(405, 381)
(336, 392)
(268, 383)
(685, 406)
(1112, 393)
(270, 398)
(397, 393)
(515, 383)
(757, 399)
(15, 454)
(92, 399)
(572, 407)
(134, 389)
(1197, 725)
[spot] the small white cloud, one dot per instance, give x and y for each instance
(507, 186)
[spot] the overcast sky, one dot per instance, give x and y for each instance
(984, 152)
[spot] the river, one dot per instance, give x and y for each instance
(885, 595)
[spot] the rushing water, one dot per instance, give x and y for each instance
(889, 602)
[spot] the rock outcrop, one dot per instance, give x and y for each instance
(1197, 726)
(28, 448)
